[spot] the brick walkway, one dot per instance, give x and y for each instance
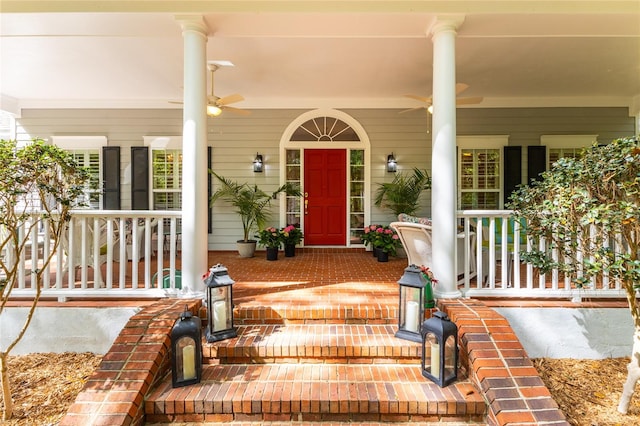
(315, 345)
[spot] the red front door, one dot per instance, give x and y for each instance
(325, 201)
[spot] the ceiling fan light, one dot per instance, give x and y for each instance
(430, 109)
(213, 110)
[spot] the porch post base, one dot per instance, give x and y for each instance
(456, 294)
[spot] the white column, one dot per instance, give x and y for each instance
(194, 155)
(443, 172)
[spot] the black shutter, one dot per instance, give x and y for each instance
(139, 178)
(209, 192)
(512, 170)
(111, 177)
(536, 161)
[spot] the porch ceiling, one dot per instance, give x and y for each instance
(310, 54)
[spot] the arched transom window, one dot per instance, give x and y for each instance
(325, 129)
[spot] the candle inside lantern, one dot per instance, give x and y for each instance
(435, 360)
(189, 362)
(411, 321)
(219, 315)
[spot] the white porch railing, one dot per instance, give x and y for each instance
(493, 236)
(125, 244)
(116, 254)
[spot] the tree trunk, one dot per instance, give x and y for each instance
(6, 389)
(632, 377)
(633, 367)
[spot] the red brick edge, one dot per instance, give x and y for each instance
(137, 360)
(500, 367)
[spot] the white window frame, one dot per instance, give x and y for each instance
(485, 142)
(163, 143)
(85, 145)
(565, 142)
(7, 126)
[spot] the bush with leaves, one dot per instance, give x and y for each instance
(587, 209)
(37, 181)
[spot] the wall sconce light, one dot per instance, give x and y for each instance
(392, 164)
(257, 163)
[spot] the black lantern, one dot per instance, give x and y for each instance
(186, 350)
(440, 349)
(219, 304)
(411, 311)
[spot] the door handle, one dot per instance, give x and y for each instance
(306, 203)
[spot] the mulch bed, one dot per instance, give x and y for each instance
(44, 385)
(587, 391)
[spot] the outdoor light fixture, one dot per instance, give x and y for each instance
(257, 163)
(392, 164)
(219, 304)
(411, 310)
(186, 350)
(439, 349)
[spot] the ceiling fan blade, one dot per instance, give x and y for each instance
(461, 87)
(469, 101)
(176, 102)
(231, 99)
(420, 98)
(410, 109)
(237, 111)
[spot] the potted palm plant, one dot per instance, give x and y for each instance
(252, 205)
(402, 195)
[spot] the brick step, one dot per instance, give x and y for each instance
(384, 311)
(291, 423)
(314, 343)
(314, 393)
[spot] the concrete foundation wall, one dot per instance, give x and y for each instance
(544, 332)
(64, 329)
(591, 333)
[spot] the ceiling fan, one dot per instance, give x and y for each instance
(215, 104)
(428, 101)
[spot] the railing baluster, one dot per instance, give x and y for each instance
(123, 254)
(46, 252)
(479, 262)
(21, 260)
(160, 254)
(489, 251)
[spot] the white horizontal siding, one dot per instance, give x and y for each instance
(236, 139)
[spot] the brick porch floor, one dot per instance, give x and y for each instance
(315, 346)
